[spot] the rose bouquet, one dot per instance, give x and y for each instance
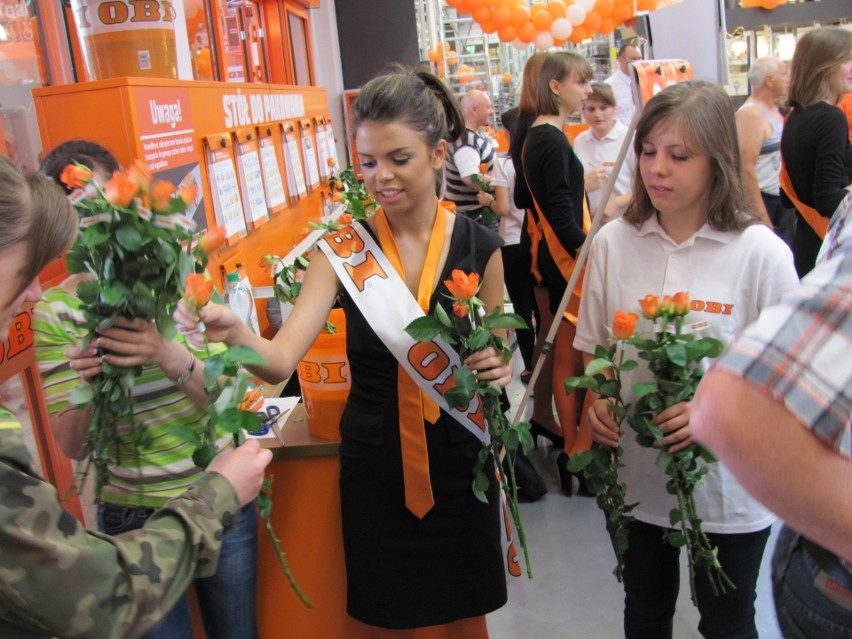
(673, 356)
(600, 464)
(488, 216)
(469, 329)
(139, 248)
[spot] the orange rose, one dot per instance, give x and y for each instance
(75, 176)
(667, 306)
(330, 162)
(483, 168)
(624, 325)
(139, 174)
(188, 192)
(120, 190)
(461, 309)
(161, 195)
(213, 239)
(650, 306)
(267, 263)
(463, 286)
(345, 219)
(199, 289)
(337, 196)
(680, 301)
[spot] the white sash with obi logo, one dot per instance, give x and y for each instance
(388, 306)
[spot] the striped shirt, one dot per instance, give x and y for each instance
(162, 471)
(458, 192)
(800, 351)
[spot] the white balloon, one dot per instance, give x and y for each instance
(588, 5)
(576, 14)
(520, 46)
(562, 28)
(543, 41)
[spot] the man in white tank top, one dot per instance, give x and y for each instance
(759, 125)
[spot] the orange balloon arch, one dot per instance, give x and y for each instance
(548, 24)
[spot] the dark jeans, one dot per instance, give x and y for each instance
(227, 599)
(516, 274)
(652, 581)
(783, 219)
(809, 606)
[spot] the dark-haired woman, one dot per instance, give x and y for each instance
(443, 565)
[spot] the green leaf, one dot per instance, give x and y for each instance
(609, 388)
(213, 368)
(676, 353)
(128, 237)
(578, 461)
(424, 329)
(629, 365)
(480, 486)
(465, 380)
(456, 398)
(230, 420)
(478, 339)
(204, 455)
(676, 538)
(243, 355)
(597, 365)
(506, 320)
(184, 433)
(442, 316)
(88, 291)
(644, 388)
(81, 395)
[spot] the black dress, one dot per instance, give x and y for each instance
(404, 572)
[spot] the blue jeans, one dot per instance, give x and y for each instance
(806, 608)
(227, 599)
(652, 581)
(783, 219)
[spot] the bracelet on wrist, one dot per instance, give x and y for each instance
(184, 376)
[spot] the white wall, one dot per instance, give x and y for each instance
(328, 70)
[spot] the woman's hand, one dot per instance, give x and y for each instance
(595, 179)
(134, 342)
(488, 366)
(605, 430)
(217, 321)
(86, 362)
(674, 422)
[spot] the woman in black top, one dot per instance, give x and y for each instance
(554, 176)
(815, 142)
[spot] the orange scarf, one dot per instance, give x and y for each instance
(415, 408)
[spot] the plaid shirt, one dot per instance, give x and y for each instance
(800, 351)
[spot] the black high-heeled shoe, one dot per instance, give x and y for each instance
(565, 475)
(537, 430)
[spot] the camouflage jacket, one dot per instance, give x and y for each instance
(59, 579)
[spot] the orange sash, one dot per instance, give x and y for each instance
(415, 408)
(562, 258)
(816, 221)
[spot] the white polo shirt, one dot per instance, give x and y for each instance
(730, 277)
(503, 175)
(594, 153)
(620, 83)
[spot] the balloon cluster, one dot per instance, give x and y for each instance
(549, 24)
(762, 4)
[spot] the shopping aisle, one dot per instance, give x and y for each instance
(573, 594)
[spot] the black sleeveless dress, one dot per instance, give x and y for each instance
(404, 572)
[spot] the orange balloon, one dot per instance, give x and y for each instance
(204, 63)
(527, 33)
(578, 34)
(646, 5)
(453, 3)
(493, 4)
(507, 33)
(463, 7)
(507, 77)
(607, 26)
(558, 43)
(536, 7)
(557, 9)
(520, 16)
(482, 14)
(604, 7)
(542, 20)
(622, 11)
(452, 58)
(488, 26)
(433, 55)
(473, 5)
(592, 22)
(501, 16)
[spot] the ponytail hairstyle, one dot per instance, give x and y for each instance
(704, 115)
(35, 211)
(417, 98)
(90, 154)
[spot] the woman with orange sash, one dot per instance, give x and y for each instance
(816, 154)
(420, 549)
(554, 176)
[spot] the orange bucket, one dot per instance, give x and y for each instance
(124, 38)
(325, 379)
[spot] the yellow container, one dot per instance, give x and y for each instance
(325, 379)
(122, 38)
